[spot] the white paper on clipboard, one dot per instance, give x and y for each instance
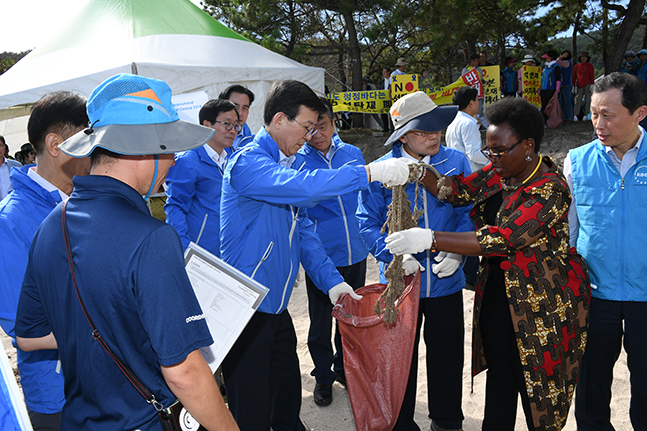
(228, 299)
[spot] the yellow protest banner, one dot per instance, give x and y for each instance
(443, 95)
(492, 81)
(401, 85)
(530, 84)
(371, 102)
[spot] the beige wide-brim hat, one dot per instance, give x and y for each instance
(416, 111)
(527, 58)
(401, 62)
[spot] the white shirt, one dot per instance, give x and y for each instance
(285, 161)
(463, 135)
(31, 173)
(5, 180)
(623, 166)
(220, 159)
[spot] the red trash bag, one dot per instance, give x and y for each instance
(554, 112)
(377, 357)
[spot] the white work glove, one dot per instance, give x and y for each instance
(447, 264)
(409, 241)
(391, 172)
(336, 292)
(410, 265)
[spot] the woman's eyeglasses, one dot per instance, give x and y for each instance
(229, 126)
(496, 155)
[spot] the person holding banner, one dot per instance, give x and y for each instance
(550, 80)
(418, 124)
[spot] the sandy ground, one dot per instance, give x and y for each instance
(338, 416)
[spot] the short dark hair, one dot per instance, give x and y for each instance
(328, 111)
(213, 108)
(524, 119)
(569, 54)
(552, 54)
(288, 97)
(463, 96)
(475, 57)
(2, 139)
(53, 113)
(236, 88)
(632, 89)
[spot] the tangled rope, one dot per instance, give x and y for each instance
(399, 217)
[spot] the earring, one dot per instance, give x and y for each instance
(528, 159)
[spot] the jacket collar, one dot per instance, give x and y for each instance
(20, 179)
(267, 143)
(99, 185)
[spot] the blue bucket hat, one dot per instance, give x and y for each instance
(642, 51)
(133, 115)
(416, 111)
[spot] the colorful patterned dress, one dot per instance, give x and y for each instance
(546, 281)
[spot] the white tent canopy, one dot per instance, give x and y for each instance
(171, 40)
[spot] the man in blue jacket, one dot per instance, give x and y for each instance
(193, 184)
(337, 227)
(243, 98)
(418, 125)
(37, 190)
(265, 233)
(608, 226)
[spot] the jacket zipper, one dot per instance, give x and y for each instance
(295, 213)
(204, 223)
(268, 250)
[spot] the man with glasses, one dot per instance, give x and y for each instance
(418, 124)
(336, 226)
(266, 234)
(193, 185)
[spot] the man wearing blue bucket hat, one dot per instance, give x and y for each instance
(418, 123)
(128, 268)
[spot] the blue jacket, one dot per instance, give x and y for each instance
(642, 71)
(549, 77)
(334, 219)
(193, 203)
(21, 213)
(567, 74)
(509, 81)
(441, 216)
(244, 137)
(264, 228)
(613, 222)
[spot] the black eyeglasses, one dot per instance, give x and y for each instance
(229, 126)
(309, 131)
(492, 155)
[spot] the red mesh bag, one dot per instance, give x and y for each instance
(377, 357)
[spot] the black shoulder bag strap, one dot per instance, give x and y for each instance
(139, 386)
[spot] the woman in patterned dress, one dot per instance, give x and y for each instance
(532, 298)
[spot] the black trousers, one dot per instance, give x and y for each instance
(545, 95)
(44, 421)
(504, 374)
(444, 335)
(612, 323)
(262, 375)
(321, 325)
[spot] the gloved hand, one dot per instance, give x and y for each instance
(336, 292)
(411, 265)
(409, 241)
(447, 264)
(391, 172)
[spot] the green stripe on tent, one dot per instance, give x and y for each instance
(133, 19)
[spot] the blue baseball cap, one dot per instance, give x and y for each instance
(134, 115)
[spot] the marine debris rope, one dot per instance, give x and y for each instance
(399, 217)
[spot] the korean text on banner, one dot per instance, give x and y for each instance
(473, 79)
(371, 102)
(443, 95)
(530, 83)
(492, 81)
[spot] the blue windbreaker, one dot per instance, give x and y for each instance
(441, 216)
(264, 229)
(509, 81)
(244, 137)
(193, 188)
(613, 226)
(21, 213)
(334, 219)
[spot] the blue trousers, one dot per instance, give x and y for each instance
(321, 325)
(612, 324)
(565, 97)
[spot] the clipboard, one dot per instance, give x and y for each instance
(228, 299)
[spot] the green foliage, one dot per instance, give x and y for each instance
(8, 59)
